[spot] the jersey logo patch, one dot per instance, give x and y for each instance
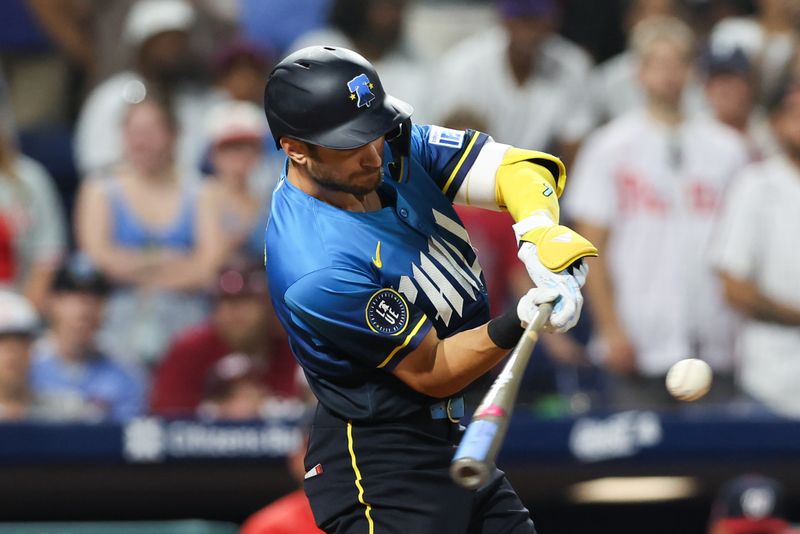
(547, 190)
(387, 312)
(376, 259)
(446, 137)
(361, 89)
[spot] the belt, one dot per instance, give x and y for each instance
(451, 409)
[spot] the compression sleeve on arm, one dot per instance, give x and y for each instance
(527, 184)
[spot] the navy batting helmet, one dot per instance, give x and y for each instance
(330, 97)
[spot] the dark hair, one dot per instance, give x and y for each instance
(350, 16)
(162, 102)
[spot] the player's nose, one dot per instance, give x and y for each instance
(373, 154)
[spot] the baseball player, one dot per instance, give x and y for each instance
(373, 276)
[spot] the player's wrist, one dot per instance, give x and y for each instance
(506, 329)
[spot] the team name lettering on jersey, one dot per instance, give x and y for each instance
(446, 293)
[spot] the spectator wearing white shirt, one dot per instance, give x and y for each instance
(521, 79)
(158, 32)
(645, 190)
(756, 254)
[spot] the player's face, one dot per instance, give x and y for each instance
(663, 72)
(357, 171)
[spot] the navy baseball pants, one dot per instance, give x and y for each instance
(392, 478)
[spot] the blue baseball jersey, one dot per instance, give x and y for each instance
(357, 292)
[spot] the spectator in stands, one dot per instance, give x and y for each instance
(158, 32)
(32, 237)
(749, 504)
(730, 87)
(76, 380)
(375, 29)
(235, 391)
(769, 39)
(615, 88)
(757, 258)
(240, 70)
(153, 234)
(520, 78)
(237, 130)
(292, 513)
(18, 326)
(242, 322)
(645, 189)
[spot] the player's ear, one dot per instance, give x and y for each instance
(297, 151)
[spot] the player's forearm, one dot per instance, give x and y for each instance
(441, 368)
(745, 296)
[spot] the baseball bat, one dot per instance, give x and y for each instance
(475, 457)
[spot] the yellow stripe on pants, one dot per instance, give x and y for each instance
(368, 508)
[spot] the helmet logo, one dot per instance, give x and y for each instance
(361, 88)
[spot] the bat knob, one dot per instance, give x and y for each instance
(469, 473)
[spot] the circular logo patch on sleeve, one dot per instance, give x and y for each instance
(387, 312)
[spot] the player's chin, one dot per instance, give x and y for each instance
(366, 183)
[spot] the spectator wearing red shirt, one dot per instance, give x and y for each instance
(243, 322)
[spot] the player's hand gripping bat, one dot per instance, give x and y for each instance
(474, 460)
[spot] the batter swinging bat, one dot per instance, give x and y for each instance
(475, 457)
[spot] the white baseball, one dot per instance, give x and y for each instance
(689, 379)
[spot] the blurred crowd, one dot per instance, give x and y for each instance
(136, 168)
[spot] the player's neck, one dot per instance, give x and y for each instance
(665, 114)
(338, 199)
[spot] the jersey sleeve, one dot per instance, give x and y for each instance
(348, 314)
(447, 155)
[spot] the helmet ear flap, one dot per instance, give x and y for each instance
(399, 140)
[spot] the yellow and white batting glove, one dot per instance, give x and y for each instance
(528, 305)
(557, 263)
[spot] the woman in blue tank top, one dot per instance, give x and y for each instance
(149, 229)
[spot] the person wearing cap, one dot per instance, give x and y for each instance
(242, 321)
(374, 278)
(731, 92)
(236, 130)
(522, 79)
(239, 70)
(235, 391)
(157, 31)
(19, 324)
(756, 260)
(76, 380)
(749, 504)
